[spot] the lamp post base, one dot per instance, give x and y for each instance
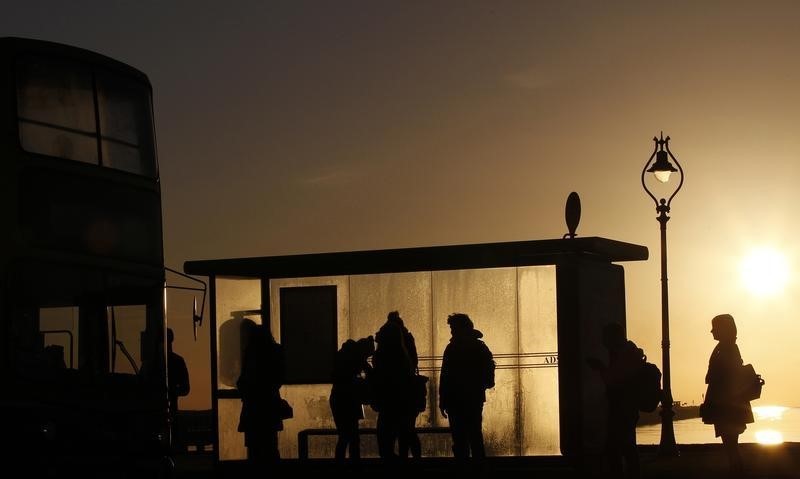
(667, 447)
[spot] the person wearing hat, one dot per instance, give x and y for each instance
(467, 372)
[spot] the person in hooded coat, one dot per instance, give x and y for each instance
(467, 372)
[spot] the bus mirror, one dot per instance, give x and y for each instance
(197, 319)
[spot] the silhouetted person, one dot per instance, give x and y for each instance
(467, 372)
(177, 373)
(392, 383)
(408, 439)
(178, 386)
(625, 361)
(259, 384)
(723, 407)
(349, 393)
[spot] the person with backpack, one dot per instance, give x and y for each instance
(724, 406)
(467, 372)
(622, 379)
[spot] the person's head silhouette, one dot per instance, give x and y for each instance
(461, 324)
(394, 318)
(723, 328)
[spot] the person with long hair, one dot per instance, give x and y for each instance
(408, 440)
(392, 380)
(724, 406)
(263, 369)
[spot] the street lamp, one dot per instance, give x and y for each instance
(662, 169)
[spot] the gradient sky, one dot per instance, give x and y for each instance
(299, 127)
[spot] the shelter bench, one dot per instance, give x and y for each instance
(302, 436)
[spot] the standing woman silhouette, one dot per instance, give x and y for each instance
(723, 406)
(262, 375)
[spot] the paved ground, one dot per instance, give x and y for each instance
(695, 461)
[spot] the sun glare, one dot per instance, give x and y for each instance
(769, 436)
(769, 413)
(765, 271)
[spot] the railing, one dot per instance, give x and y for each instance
(547, 359)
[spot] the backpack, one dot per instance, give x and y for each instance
(487, 375)
(420, 398)
(648, 386)
(488, 382)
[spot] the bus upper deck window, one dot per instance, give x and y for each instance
(55, 109)
(58, 115)
(125, 125)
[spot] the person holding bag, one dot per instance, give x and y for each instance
(394, 365)
(726, 406)
(262, 375)
(349, 393)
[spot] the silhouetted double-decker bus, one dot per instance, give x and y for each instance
(81, 258)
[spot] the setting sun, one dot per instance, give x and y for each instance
(764, 271)
(769, 437)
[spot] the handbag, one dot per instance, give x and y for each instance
(420, 392)
(707, 413)
(748, 383)
(285, 410)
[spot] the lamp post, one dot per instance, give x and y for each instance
(662, 169)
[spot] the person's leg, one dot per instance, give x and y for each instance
(730, 442)
(415, 444)
(475, 432)
(630, 453)
(273, 454)
(474, 425)
(257, 453)
(354, 440)
(254, 452)
(403, 437)
(341, 446)
(385, 445)
(387, 434)
(408, 439)
(341, 438)
(459, 432)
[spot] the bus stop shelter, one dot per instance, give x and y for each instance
(541, 305)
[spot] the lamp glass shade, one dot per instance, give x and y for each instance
(662, 176)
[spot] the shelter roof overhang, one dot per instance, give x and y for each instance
(431, 258)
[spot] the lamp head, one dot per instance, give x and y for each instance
(662, 163)
(662, 167)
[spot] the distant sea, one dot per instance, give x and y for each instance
(773, 425)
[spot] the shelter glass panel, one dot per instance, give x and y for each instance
(538, 339)
(489, 297)
(373, 296)
(231, 441)
(238, 302)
